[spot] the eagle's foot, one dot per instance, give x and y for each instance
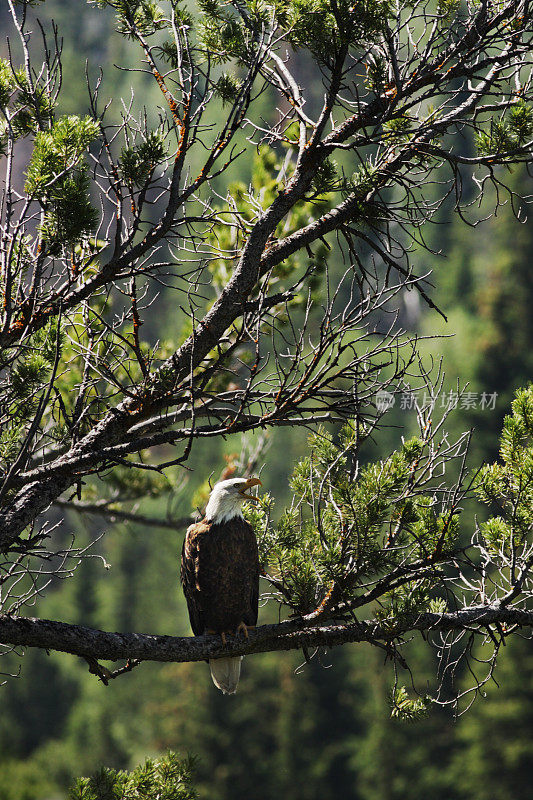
(215, 633)
(243, 628)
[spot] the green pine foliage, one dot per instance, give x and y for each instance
(27, 384)
(398, 128)
(403, 707)
(165, 778)
(139, 162)
(228, 87)
(448, 9)
(507, 486)
(314, 24)
(58, 151)
(376, 77)
(342, 520)
(325, 28)
(27, 109)
(223, 35)
(57, 177)
(69, 214)
(7, 83)
(269, 169)
(326, 178)
(146, 16)
(512, 131)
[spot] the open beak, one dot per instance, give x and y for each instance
(249, 483)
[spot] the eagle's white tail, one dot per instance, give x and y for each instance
(226, 673)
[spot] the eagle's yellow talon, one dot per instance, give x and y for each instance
(243, 628)
(216, 633)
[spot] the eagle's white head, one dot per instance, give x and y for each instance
(227, 497)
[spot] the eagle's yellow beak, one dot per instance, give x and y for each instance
(249, 483)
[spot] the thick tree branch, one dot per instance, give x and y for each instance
(290, 635)
(105, 509)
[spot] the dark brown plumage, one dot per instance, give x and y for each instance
(220, 575)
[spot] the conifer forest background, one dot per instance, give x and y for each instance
(304, 731)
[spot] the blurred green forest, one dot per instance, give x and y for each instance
(315, 731)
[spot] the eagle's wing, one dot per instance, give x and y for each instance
(220, 575)
(253, 567)
(189, 576)
(254, 603)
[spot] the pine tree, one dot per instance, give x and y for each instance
(98, 403)
(168, 777)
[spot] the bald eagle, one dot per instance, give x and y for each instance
(220, 573)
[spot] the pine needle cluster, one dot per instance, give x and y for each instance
(507, 486)
(350, 524)
(165, 778)
(57, 177)
(510, 132)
